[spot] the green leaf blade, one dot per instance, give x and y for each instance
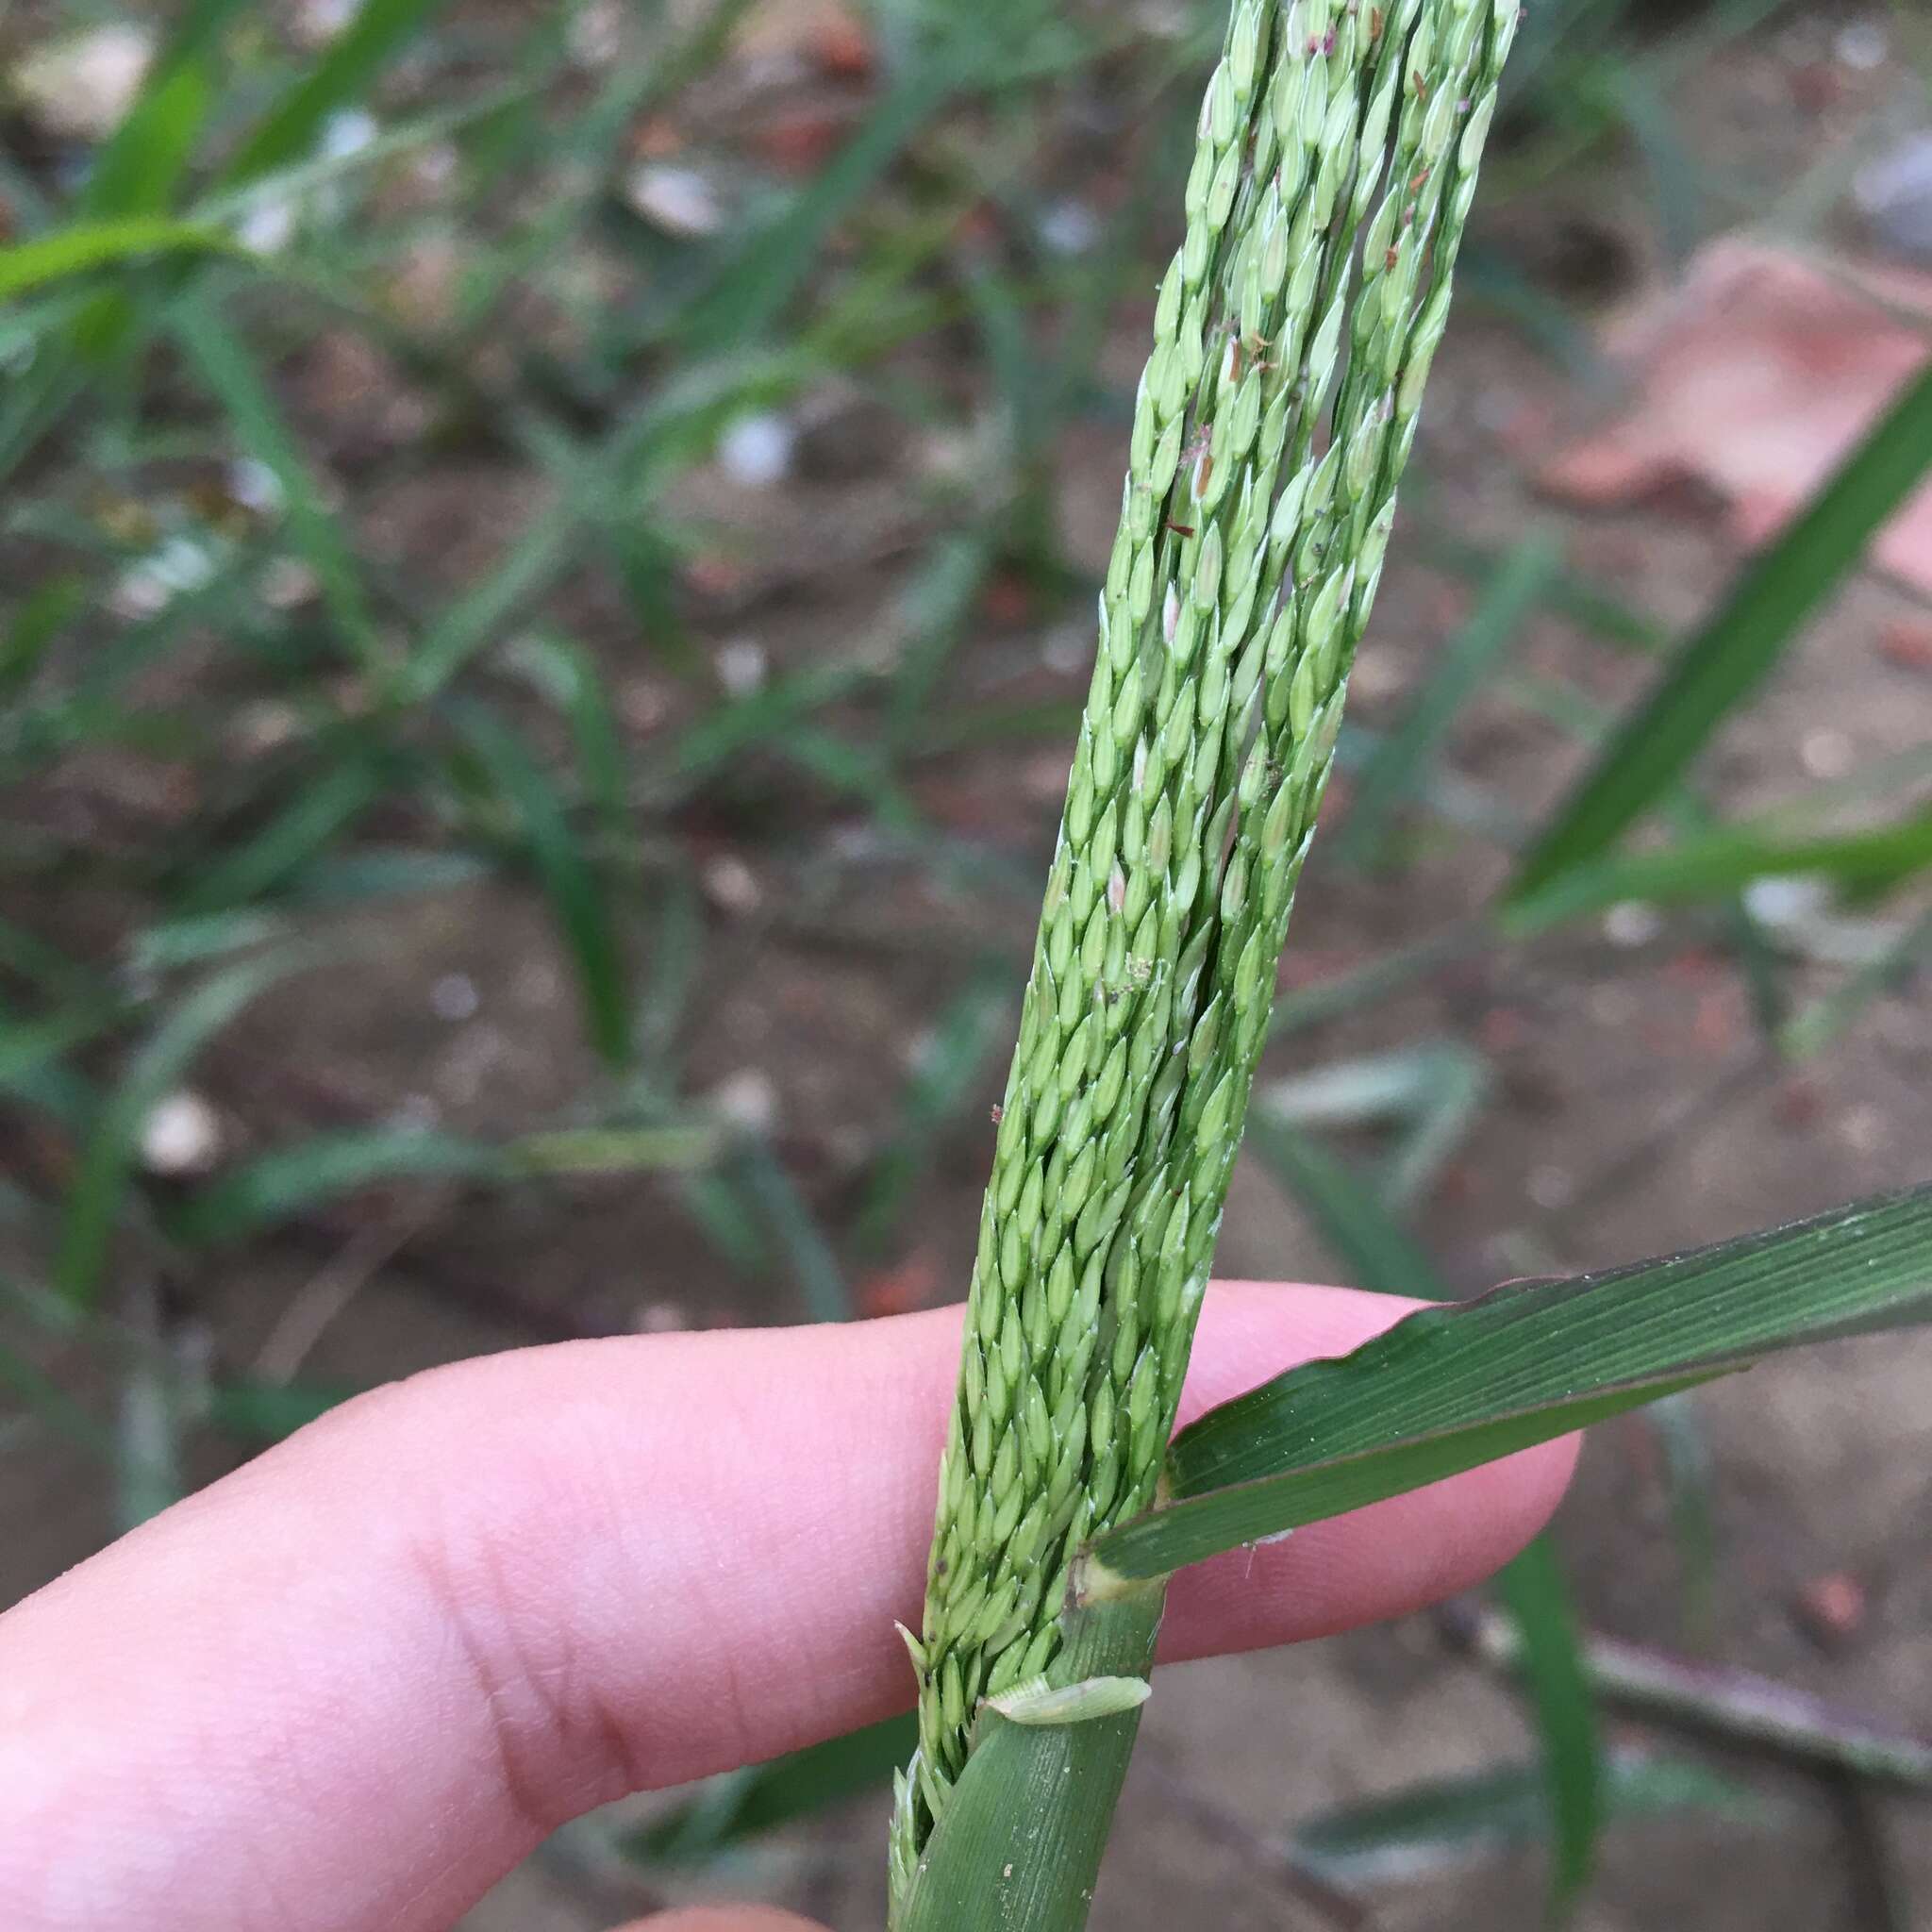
(1450, 1387)
(354, 61)
(1538, 1600)
(84, 246)
(1218, 1519)
(1713, 864)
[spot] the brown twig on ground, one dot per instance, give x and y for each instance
(1728, 1706)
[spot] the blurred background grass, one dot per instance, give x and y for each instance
(546, 570)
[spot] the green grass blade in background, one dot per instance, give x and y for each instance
(1726, 661)
(85, 247)
(1716, 864)
(774, 263)
(259, 1413)
(1457, 673)
(93, 1199)
(1813, 1027)
(34, 625)
(1376, 1251)
(762, 1180)
(232, 377)
(473, 618)
(141, 167)
(726, 1810)
(27, 1048)
(319, 811)
(567, 675)
(957, 1052)
(147, 152)
(43, 1398)
(354, 60)
(1430, 1092)
(1449, 1388)
(288, 1181)
(274, 1186)
(569, 882)
(1538, 1600)
(138, 171)
(1676, 1428)
(675, 1146)
(1427, 1829)
(1591, 605)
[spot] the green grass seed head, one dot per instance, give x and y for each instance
(1293, 332)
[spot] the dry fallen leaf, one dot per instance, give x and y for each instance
(827, 34)
(1757, 376)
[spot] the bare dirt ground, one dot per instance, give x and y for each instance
(1633, 1112)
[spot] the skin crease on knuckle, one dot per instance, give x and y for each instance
(376, 1664)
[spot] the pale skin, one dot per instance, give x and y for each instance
(347, 1688)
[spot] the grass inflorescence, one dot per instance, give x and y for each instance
(1334, 169)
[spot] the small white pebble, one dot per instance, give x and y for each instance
(1784, 901)
(676, 200)
(179, 565)
(255, 486)
(747, 1100)
(1632, 923)
(182, 1135)
(346, 132)
(139, 593)
(79, 87)
(1827, 753)
(268, 224)
(596, 35)
(454, 997)
(742, 666)
(1069, 227)
(183, 563)
(1861, 45)
(321, 21)
(662, 1318)
(1863, 1129)
(265, 724)
(732, 885)
(418, 1112)
(756, 451)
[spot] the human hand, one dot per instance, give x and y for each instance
(351, 1685)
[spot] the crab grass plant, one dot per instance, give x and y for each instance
(1332, 178)
(1336, 164)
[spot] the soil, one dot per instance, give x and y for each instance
(1633, 1110)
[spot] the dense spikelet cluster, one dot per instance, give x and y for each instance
(1336, 162)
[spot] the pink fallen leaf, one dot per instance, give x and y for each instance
(1757, 376)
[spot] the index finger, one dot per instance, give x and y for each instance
(351, 1685)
